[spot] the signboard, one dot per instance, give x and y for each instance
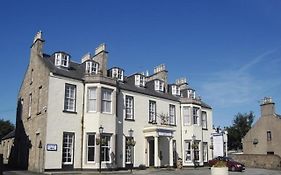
(52, 147)
(168, 134)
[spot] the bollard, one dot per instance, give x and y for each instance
(1, 164)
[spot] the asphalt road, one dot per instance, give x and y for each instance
(188, 171)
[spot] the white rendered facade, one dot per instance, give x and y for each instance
(168, 121)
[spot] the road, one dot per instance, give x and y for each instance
(187, 171)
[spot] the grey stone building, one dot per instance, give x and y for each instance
(264, 137)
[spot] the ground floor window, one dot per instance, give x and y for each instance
(105, 148)
(91, 147)
(205, 151)
(187, 151)
(196, 150)
(67, 148)
(129, 151)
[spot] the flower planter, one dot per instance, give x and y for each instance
(219, 171)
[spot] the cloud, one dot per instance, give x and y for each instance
(240, 86)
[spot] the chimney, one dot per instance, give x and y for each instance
(37, 45)
(267, 107)
(101, 57)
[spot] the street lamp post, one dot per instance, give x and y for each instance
(131, 131)
(193, 143)
(100, 132)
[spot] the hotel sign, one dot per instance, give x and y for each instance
(52, 147)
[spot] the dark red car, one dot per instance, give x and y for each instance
(231, 164)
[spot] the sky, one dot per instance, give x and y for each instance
(229, 51)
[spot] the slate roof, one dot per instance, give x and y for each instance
(9, 135)
(76, 71)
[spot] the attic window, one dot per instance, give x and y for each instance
(159, 85)
(117, 73)
(191, 94)
(176, 90)
(140, 80)
(61, 59)
(92, 67)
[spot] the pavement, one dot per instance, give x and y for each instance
(152, 171)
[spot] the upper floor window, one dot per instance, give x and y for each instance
(268, 135)
(62, 59)
(92, 67)
(106, 100)
(129, 107)
(159, 85)
(186, 115)
(70, 98)
(117, 73)
(29, 105)
(176, 90)
(152, 112)
(140, 80)
(92, 99)
(172, 114)
(204, 120)
(196, 116)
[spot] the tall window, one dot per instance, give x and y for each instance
(142, 81)
(195, 116)
(205, 151)
(92, 99)
(106, 100)
(70, 98)
(204, 120)
(129, 107)
(29, 105)
(269, 136)
(129, 152)
(64, 60)
(186, 115)
(196, 150)
(152, 112)
(187, 151)
(67, 148)
(172, 114)
(91, 147)
(105, 148)
(39, 105)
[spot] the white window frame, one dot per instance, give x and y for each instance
(117, 73)
(152, 111)
(129, 104)
(70, 98)
(68, 148)
(187, 151)
(195, 116)
(172, 114)
(205, 151)
(91, 67)
(91, 146)
(129, 152)
(92, 99)
(204, 120)
(142, 81)
(106, 100)
(186, 112)
(106, 146)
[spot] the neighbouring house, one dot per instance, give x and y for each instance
(264, 137)
(7, 144)
(85, 115)
(219, 140)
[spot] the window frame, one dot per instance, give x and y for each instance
(105, 147)
(187, 117)
(67, 100)
(70, 148)
(195, 116)
(152, 112)
(172, 115)
(105, 101)
(129, 105)
(91, 146)
(204, 121)
(187, 151)
(92, 99)
(268, 135)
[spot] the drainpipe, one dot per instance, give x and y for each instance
(82, 124)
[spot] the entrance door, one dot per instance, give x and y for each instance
(151, 152)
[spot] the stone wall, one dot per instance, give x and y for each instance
(258, 160)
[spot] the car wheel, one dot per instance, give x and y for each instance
(232, 168)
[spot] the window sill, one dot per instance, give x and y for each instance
(131, 120)
(71, 112)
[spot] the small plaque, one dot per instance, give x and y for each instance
(52, 147)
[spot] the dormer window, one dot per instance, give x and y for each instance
(117, 73)
(176, 90)
(92, 67)
(159, 85)
(191, 94)
(62, 59)
(140, 80)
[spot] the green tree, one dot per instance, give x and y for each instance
(241, 124)
(5, 127)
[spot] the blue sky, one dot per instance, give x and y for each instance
(230, 51)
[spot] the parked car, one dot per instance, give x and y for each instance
(231, 164)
